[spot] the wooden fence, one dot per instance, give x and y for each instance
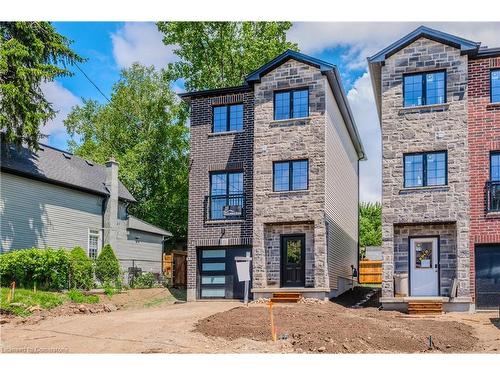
(175, 267)
(370, 271)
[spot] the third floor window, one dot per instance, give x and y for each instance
(495, 86)
(424, 89)
(227, 118)
(291, 104)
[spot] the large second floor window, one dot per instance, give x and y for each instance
(425, 169)
(227, 118)
(226, 195)
(291, 104)
(493, 186)
(290, 175)
(424, 89)
(495, 86)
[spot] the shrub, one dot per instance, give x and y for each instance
(78, 297)
(107, 268)
(81, 269)
(145, 280)
(45, 268)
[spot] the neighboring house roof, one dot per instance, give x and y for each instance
(138, 224)
(466, 47)
(58, 167)
(329, 70)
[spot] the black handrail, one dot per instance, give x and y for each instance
(493, 196)
(224, 207)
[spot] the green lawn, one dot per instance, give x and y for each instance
(24, 299)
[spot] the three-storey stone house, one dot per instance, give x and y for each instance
(422, 89)
(274, 175)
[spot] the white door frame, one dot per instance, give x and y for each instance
(424, 282)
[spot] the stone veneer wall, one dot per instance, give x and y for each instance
(447, 250)
(484, 137)
(272, 240)
(428, 128)
(217, 152)
(288, 140)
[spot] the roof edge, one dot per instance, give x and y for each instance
(212, 92)
(152, 228)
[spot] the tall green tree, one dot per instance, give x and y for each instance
(220, 54)
(370, 224)
(143, 127)
(30, 53)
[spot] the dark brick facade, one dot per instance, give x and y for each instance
(484, 137)
(217, 152)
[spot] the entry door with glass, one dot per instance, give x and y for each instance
(424, 267)
(293, 260)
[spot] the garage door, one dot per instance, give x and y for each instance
(487, 276)
(217, 273)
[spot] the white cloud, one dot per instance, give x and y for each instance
(363, 39)
(362, 103)
(62, 101)
(140, 42)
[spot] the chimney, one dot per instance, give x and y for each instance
(111, 208)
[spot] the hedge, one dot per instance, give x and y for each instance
(46, 268)
(107, 267)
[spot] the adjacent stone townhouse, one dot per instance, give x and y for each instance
(437, 99)
(274, 175)
(52, 198)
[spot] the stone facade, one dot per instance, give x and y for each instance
(422, 129)
(484, 137)
(289, 140)
(210, 152)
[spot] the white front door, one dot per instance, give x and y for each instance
(424, 271)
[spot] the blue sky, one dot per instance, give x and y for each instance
(112, 46)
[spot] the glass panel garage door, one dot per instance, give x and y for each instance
(488, 276)
(217, 273)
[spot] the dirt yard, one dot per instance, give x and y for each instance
(148, 322)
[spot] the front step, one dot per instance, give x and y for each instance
(425, 308)
(284, 297)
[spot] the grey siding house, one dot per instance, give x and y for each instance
(51, 198)
(274, 175)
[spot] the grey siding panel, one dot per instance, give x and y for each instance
(341, 195)
(38, 214)
(142, 247)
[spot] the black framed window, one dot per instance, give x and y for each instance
(495, 85)
(290, 175)
(495, 166)
(425, 169)
(424, 88)
(226, 189)
(227, 118)
(291, 104)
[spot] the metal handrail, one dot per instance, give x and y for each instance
(224, 207)
(493, 196)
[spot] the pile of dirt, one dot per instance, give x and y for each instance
(332, 328)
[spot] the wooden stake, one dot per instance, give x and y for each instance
(273, 328)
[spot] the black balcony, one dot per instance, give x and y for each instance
(493, 196)
(224, 207)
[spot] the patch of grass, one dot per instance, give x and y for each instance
(78, 297)
(158, 301)
(24, 299)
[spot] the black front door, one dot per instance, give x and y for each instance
(488, 276)
(293, 260)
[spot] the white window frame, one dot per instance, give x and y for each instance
(93, 232)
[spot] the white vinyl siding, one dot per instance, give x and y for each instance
(341, 195)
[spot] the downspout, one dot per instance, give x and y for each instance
(103, 210)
